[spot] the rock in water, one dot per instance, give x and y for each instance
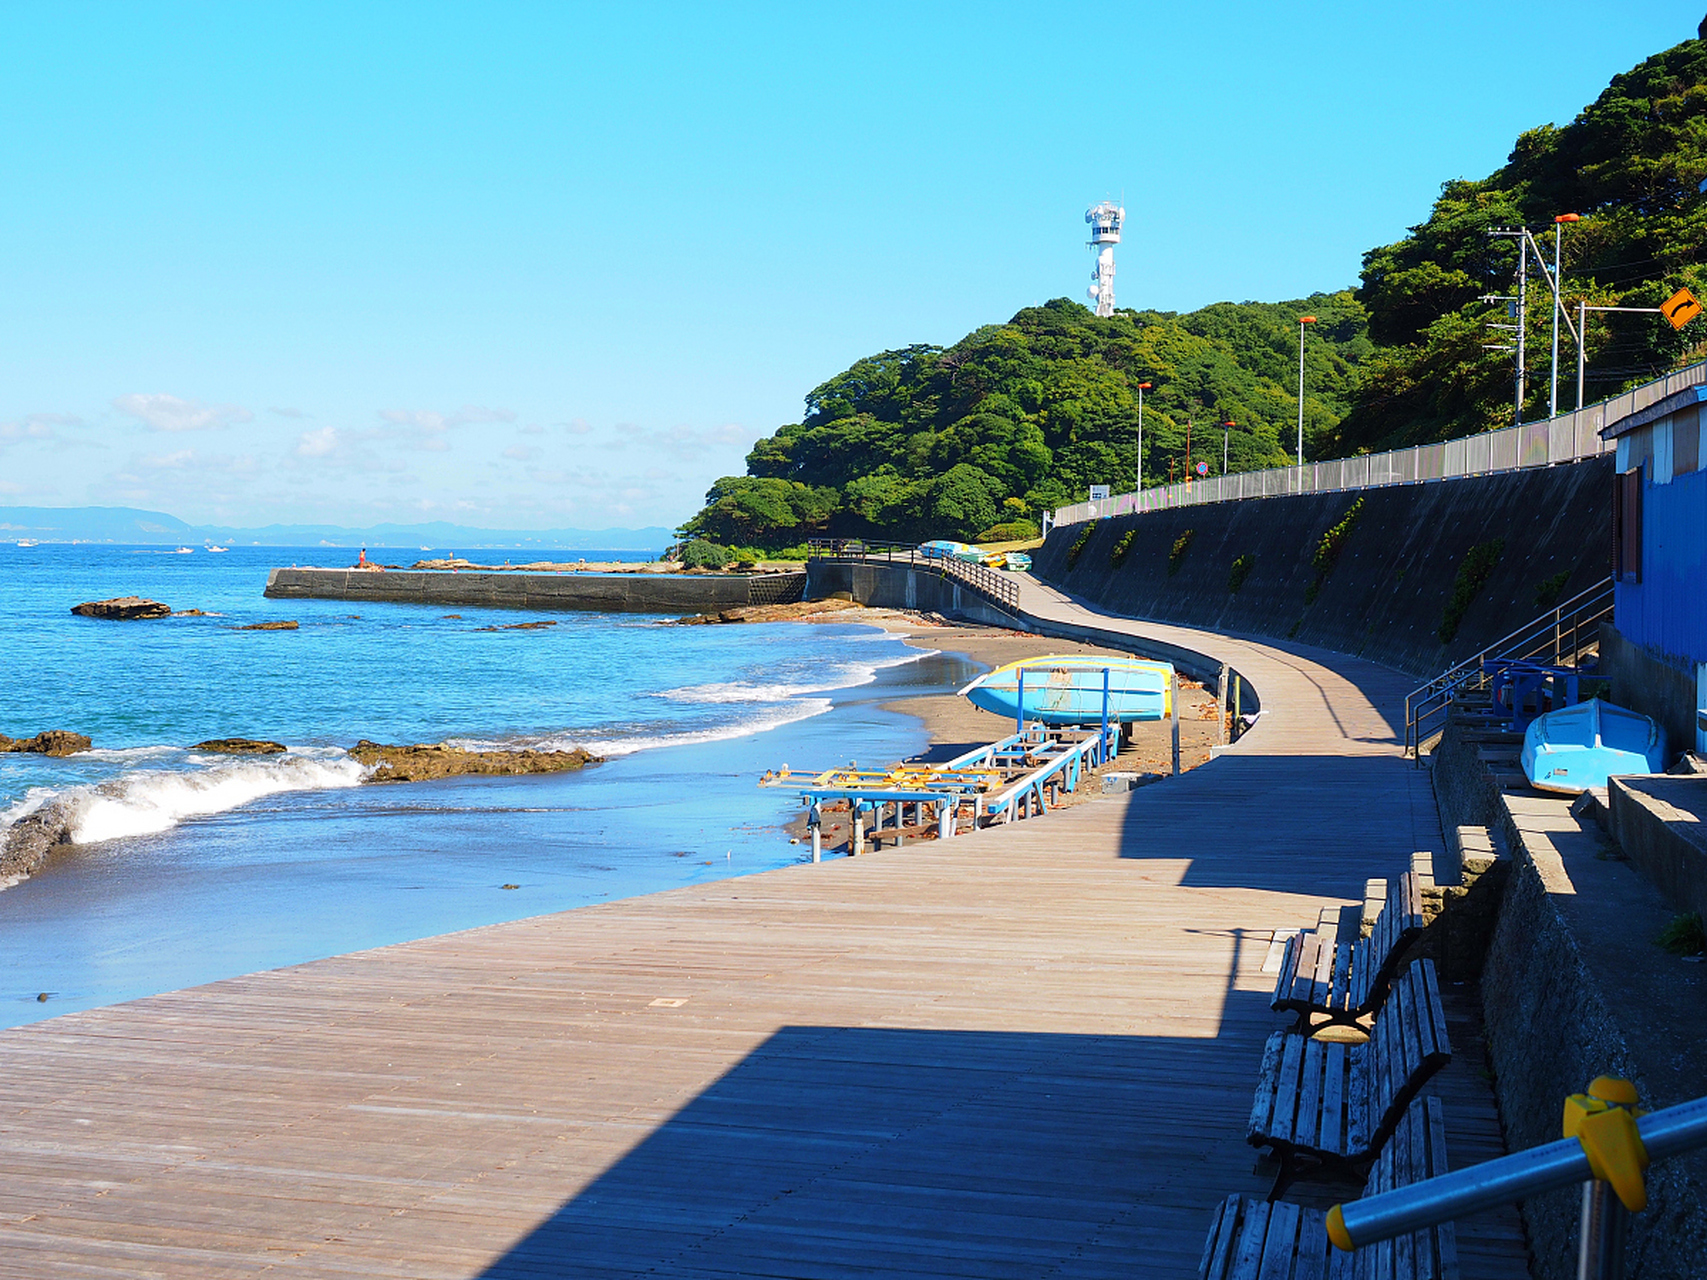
(123, 607)
(26, 844)
(268, 626)
(240, 747)
(420, 762)
(53, 742)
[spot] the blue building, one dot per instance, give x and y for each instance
(1657, 650)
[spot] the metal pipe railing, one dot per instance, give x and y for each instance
(1576, 432)
(1664, 1134)
(1541, 640)
(987, 582)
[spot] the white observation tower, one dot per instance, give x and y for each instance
(1105, 220)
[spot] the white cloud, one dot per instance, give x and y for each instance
(577, 427)
(521, 453)
(319, 443)
(161, 412)
(532, 429)
(429, 421)
(288, 412)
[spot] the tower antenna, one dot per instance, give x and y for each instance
(1105, 220)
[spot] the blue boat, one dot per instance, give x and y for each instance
(1577, 748)
(1068, 689)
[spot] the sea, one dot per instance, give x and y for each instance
(188, 867)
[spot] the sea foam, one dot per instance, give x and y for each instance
(144, 802)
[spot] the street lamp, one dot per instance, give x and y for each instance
(1142, 388)
(1302, 321)
(1226, 427)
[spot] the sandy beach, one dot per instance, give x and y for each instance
(955, 726)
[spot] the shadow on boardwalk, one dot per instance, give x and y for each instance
(841, 1151)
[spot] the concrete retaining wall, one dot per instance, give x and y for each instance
(1385, 597)
(612, 593)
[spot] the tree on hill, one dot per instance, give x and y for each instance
(1630, 165)
(1015, 418)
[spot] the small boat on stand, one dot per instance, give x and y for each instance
(1063, 689)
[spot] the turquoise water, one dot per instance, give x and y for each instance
(187, 867)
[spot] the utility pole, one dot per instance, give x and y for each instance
(1517, 311)
(1142, 388)
(1188, 450)
(1302, 321)
(1558, 283)
(1226, 427)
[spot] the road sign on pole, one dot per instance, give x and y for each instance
(1679, 309)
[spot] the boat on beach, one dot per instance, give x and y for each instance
(1069, 688)
(1575, 749)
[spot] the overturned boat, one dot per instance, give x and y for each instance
(1577, 748)
(1069, 688)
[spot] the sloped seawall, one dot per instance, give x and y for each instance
(1384, 594)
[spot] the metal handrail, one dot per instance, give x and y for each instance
(987, 582)
(1556, 638)
(1570, 437)
(1671, 1132)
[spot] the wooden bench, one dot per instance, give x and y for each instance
(1253, 1239)
(1343, 982)
(1328, 1102)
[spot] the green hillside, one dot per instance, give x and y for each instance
(979, 438)
(1630, 165)
(1019, 417)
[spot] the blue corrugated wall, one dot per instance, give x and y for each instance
(1667, 610)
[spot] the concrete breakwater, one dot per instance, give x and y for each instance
(609, 593)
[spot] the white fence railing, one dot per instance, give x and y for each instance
(1568, 438)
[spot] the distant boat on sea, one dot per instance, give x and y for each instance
(28, 542)
(185, 551)
(1068, 689)
(1577, 748)
(218, 549)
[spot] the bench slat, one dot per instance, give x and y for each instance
(1262, 1108)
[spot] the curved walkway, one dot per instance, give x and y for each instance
(1024, 1053)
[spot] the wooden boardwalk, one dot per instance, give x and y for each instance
(1025, 1053)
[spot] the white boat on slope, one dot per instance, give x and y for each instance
(1068, 689)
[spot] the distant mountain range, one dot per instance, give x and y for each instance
(146, 528)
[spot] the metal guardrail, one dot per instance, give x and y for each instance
(1608, 1161)
(993, 584)
(1570, 437)
(1558, 638)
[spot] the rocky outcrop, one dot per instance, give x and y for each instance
(268, 626)
(123, 607)
(54, 742)
(26, 844)
(766, 612)
(419, 762)
(240, 747)
(520, 626)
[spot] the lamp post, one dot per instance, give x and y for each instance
(1142, 388)
(1558, 305)
(1226, 428)
(1302, 321)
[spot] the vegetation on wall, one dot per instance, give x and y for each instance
(1121, 549)
(1239, 572)
(1327, 552)
(1182, 544)
(1079, 543)
(1473, 574)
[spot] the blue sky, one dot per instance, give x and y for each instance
(536, 266)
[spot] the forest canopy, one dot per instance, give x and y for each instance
(1017, 418)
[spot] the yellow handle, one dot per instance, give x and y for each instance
(1616, 1154)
